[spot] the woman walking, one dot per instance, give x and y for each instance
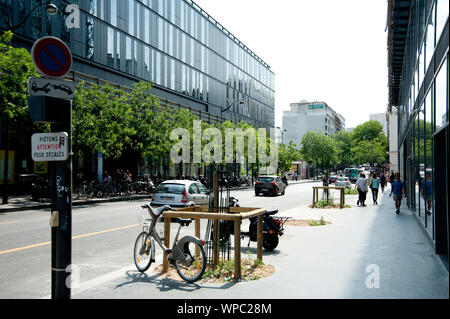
(398, 189)
(361, 186)
(374, 185)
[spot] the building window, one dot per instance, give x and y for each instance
(441, 97)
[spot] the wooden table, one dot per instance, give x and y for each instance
(237, 214)
(316, 194)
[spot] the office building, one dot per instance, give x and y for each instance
(381, 118)
(310, 116)
(418, 52)
(194, 62)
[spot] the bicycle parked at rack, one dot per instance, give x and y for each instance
(187, 254)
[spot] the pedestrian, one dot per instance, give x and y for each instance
(382, 181)
(398, 189)
(427, 193)
(374, 185)
(361, 186)
(296, 176)
(391, 179)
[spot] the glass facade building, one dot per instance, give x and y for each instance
(192, 60)
(419, 89)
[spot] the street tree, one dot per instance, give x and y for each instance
(320, 149)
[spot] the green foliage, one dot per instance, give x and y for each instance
(286, 155)
(16, 67)
(343, 140)
(320, 149)
(370, 144)
(324, 203)
(320, 222)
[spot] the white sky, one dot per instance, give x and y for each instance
(328, 50)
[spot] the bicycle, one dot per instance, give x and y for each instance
(187, 254)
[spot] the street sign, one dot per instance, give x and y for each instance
(49, 147)
(56, 88)
(51, 57)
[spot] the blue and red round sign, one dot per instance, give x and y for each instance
(52, 57)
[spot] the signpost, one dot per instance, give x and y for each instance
(49, 102)
(60, 89)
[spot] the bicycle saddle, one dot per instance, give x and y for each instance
(158, 211)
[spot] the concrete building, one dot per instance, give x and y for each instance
(382, 119)
(310, 116)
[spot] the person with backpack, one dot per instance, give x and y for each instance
(374, 185)
(361, 186)
(398, 189)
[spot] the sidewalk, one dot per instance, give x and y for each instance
(365, 253)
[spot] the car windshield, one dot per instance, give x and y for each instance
(170, 188)
(342, 179)
(265, 179)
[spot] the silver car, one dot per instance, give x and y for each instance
(343, 181)
(180, 193)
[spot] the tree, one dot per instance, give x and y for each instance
(343, 140)
(319, 149)
(370, 144)
(286, 155)
(101, 120)
(15, 68)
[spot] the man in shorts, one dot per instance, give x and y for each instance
(398, 189)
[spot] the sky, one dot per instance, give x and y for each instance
(320, 50)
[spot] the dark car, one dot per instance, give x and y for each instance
(272, 185)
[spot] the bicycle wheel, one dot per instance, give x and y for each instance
(190, 259)
(143, 252)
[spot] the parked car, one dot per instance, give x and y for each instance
(332, 179)
(272, 185)
(180, 193)
(343, 181)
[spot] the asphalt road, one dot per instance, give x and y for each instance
(103, 239)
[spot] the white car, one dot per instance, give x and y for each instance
(180, 193)
(343, 181)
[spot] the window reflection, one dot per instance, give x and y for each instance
(441, 96)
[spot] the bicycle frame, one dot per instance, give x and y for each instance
(152, 232)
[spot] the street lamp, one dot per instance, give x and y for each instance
(50, 8)
(229, 107)
(282, 133)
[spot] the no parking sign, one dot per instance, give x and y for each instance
(51, 57)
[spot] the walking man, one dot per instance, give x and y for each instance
(374, 185)
(398, 189)
(361, 186)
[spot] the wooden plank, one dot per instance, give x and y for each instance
(259, 245)
(166, 242)
(237, 249)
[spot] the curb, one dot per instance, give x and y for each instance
(75, 203)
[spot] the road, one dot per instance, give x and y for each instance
(103, 239)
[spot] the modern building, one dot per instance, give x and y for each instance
(194, 61)
(418, 52)
(382, 119)
(310, 116)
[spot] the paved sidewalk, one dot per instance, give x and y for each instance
(366, 252)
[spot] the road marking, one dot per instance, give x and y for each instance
(73, 237)
(5, 223)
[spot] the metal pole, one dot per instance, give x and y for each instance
(62, 213)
